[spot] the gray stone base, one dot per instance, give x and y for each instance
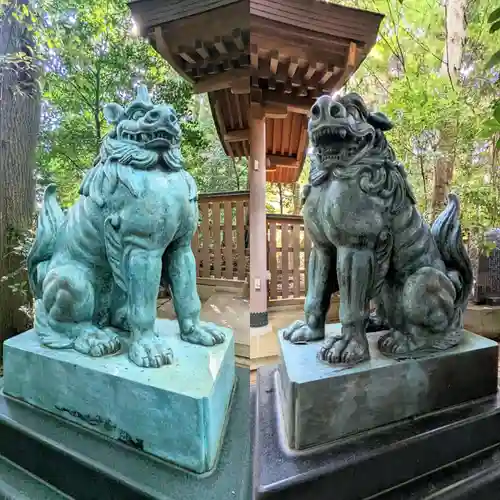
(321, 403)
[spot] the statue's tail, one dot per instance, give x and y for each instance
(50, 220)
(447, 233)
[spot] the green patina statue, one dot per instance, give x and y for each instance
(370, 243)
(95, 271)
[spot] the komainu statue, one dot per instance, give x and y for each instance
(95, 270)
(371, 244)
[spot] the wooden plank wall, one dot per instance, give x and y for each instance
(220, 244)
(289, 248)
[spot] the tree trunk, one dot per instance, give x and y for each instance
(295, 188)
(19, 126)
(455, 23)
(236, 174)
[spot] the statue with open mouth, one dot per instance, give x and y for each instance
(95, 270)
(371, 244)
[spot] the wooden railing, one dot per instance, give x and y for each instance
(288, 253)
(220, 245)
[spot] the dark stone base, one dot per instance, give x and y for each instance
(373, 462)
(258, 320)
(89, 466)
(323, 403)
(492, 301)
(474, 478)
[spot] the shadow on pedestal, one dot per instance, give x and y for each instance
(394, 451)
(89, 466)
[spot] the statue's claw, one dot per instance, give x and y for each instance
(299, 332)
(97, 342)
(400, 345)
(396, 343)
(344, 349)
(151, 351)
(206, 334)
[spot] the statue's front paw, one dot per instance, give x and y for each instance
(96, 342)
(345, 350)
(151, 351)
(206, 334)
(300, 332)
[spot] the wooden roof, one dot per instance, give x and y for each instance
(282, 54)
(301, 49)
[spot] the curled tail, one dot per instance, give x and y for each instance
(447, 233)
(50, 220)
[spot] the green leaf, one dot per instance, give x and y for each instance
(489, 128)
(494, 16)
(497, 145)
(494, 60)
(495, 26)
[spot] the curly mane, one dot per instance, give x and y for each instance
(378, 172)
(117, 161)
(381, 174)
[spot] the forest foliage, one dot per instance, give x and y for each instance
(403, 76)
(91, 55)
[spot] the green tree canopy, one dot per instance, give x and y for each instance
(92, 56)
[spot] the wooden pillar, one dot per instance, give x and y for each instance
(258, 225)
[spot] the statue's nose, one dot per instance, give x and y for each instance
(325, 107)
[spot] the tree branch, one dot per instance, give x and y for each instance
(416, 40)
(401, 56)
(71, 160)
(81, 94)
(447, 46)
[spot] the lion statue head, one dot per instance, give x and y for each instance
(143, 133)
(348, 141)
(343, 132)
(144, 136)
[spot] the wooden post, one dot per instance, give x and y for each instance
(258, 224)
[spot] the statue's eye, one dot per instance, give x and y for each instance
(137, 115)
(355, 113)
(173, 119)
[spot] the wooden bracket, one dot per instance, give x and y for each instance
(237, 135)
(221, 81)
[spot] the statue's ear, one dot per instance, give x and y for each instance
(113, 113)
(379, 121)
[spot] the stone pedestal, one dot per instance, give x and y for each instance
(81, 464)
(352, 433)
(322, 403)
(177, 412)
(483, 319)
